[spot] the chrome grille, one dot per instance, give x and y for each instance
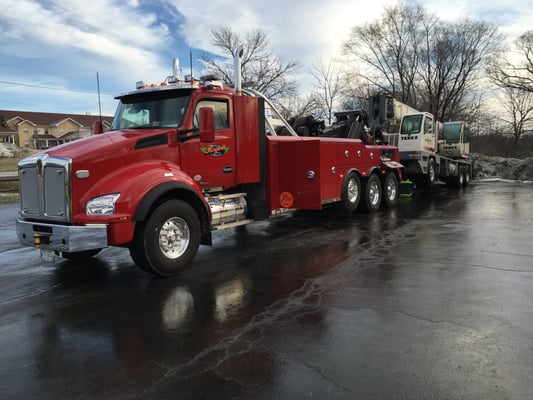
(45, 188)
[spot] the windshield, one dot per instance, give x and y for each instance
(452, 132)
(151, 110)
(411, 124)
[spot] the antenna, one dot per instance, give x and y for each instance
(190, 61)
(99, 103)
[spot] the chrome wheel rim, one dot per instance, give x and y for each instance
(373, 193)
(391, 189)
(352, 191)
(174, 237)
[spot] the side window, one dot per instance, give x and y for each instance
(466, 138)
(220, 113)
(428, 128)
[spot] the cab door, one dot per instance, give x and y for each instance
(430, 134)
(212, 165)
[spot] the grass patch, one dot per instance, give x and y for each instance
(9, 198)
(9, 190)
(9, 164)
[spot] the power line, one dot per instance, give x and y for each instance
(52, 88)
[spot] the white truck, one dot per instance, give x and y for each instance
(429, 150)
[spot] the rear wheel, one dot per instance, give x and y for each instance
(466, 180)
(168, 241)
(391, 190)
(372, 193)
(351, 192)
(458, 181)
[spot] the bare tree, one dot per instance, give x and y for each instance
(518, 118)
(389, 50)
(516, 74)
(424, 62)
(298, 106)
(327, 81)
(260, 67)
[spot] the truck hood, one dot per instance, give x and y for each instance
(114, 141)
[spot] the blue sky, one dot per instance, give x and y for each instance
(52, 49)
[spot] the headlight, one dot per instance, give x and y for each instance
(102, 205)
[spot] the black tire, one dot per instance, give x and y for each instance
(391, 190)
(431, 173)
(80, 255)
(372, 194)
(168, 240)
(458, 181)
(351, 191)
(466, 180)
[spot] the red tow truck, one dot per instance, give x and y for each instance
(182, 159)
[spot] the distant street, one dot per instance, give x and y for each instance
(431, 300)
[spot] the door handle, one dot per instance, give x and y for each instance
(228, 169)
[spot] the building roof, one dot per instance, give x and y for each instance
(47, 119)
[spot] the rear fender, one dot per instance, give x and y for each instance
(394, 166)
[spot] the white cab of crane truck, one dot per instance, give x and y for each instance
(431, 151)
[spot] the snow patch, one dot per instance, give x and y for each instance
(500, 168)
(9, 150)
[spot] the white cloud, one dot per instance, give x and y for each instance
(116, 37)
(301, 31)
(64, 42)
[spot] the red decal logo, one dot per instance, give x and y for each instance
(215, 150)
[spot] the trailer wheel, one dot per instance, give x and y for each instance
(351, 191)
(391, 190)
(372, 193)
(168, 241)
(431, 174)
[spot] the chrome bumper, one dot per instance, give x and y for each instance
(61, 238)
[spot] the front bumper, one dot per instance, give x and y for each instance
(61, 238)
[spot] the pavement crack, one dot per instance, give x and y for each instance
(324, 376)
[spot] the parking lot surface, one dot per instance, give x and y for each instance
(430, 300)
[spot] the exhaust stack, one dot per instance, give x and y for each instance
(237, 71)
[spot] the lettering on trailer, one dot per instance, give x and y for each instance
(410, 137)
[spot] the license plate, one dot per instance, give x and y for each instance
(48, 255)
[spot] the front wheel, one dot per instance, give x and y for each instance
(168, 241)
(372, 193)
(431, 175)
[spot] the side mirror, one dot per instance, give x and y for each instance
(207, 125)
(97, 127)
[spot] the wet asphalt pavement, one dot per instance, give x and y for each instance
(431, 300)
